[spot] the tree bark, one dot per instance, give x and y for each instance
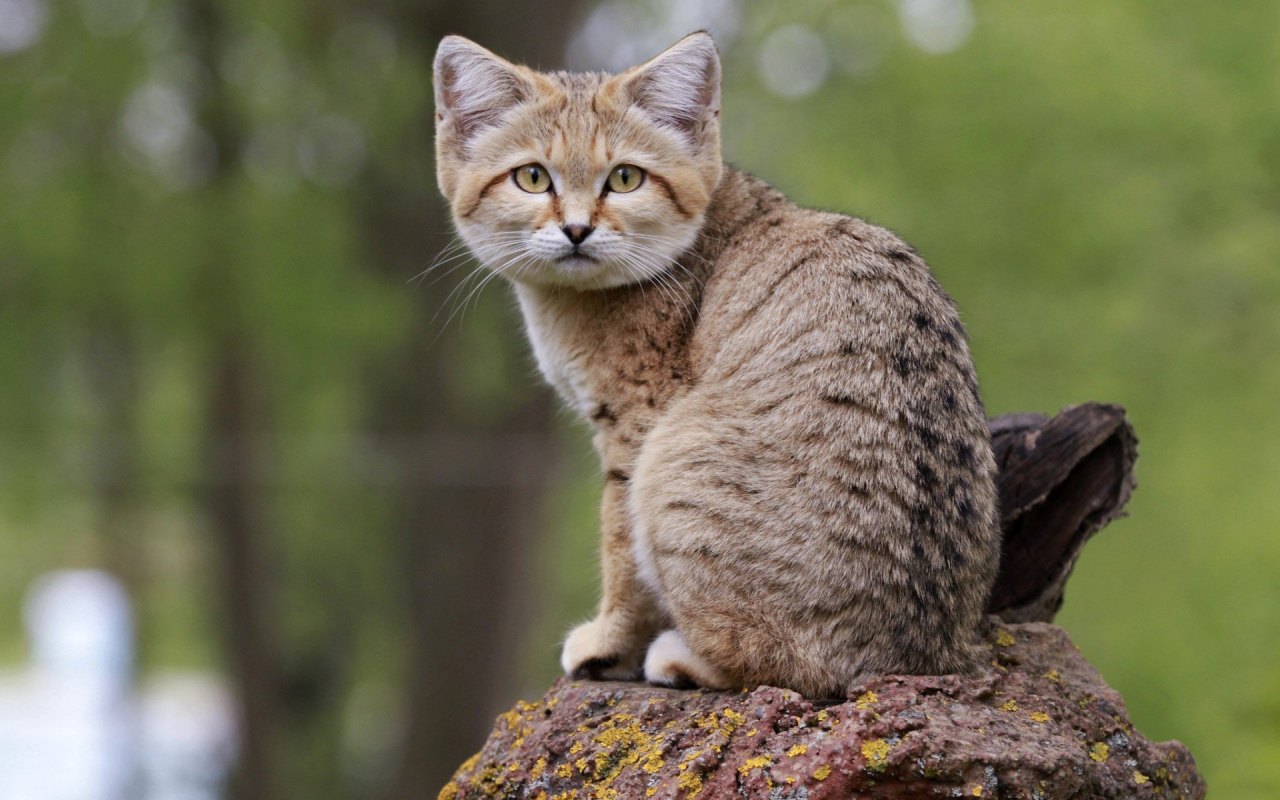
(231, 448)
(243, 570)
(466, 545)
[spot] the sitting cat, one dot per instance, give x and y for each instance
(798, 474)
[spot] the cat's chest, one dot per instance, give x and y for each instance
(615, 365)
(566, 366)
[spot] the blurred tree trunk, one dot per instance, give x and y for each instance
(466, 545)
(231, 453)
(114, 375)
(232, 507)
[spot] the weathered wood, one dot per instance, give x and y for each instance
(1061, 480)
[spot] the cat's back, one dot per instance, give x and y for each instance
(789, 282)
(836, 398)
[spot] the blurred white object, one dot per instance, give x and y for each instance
(793, 61)
(186, 737)
(70, 726)
(937, 26)
(81, 630)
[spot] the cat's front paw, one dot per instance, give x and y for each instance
(594, 651)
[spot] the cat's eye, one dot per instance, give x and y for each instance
(533, 178)
(625, 178)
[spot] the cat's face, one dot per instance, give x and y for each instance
(580, 180)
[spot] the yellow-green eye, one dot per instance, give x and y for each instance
(625, 178)
(532, 178)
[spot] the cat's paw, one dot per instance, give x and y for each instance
(591, 653)
(671, 663)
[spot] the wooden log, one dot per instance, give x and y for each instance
(1061, 480)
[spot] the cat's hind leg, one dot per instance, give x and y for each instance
(670, 662)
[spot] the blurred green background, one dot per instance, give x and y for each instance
(339, 483)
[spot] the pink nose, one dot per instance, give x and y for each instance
(577, 233)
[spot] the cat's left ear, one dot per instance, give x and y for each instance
(474, 87)
(680, 88)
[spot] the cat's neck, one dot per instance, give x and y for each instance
(740, 200)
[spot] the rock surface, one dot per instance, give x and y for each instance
(1038, 723)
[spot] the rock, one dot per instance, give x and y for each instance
(1038, 723)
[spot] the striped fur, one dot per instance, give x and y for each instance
(798, 476)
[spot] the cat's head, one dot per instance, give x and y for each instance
(581, 180)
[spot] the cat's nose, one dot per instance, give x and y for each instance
(577, 233)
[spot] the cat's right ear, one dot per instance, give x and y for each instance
(680, 87)
(474, 87)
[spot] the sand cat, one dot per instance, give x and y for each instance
(798, 474)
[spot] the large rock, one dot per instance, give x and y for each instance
(1039, 723)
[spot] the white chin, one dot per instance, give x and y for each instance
(578, 272)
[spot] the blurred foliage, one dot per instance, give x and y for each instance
(1097, 184)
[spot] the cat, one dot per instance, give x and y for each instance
(798, 474)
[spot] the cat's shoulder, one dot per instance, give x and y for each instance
(769, 227)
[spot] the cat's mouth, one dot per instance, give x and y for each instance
(577, 258)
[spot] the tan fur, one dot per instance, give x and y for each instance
(798, 472)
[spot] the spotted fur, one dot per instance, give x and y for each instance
(798, 477)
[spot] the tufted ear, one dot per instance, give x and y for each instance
(680, 88)
(474, 87)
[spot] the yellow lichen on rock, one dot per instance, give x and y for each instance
(1040, 717)
(758, 762)
(653, 761)
(470, 763)
(449, 792)
(875, 752)
(539, 767)
(510, 719)
(1009, 705)
(865, 700)
(797, 750)
(1054, 676)
(822, 773)
(690, 781)
(977, 791)
(630, 744)
(1100, 752)
(1139, 778)
(1004, 638)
